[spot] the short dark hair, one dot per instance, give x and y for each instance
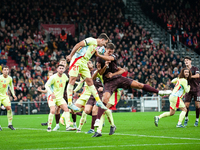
(103, 36)
(110, 46)
(187, 57)
(61, 65)
(181, 75)
(5, 67)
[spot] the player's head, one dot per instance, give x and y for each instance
(50, 73)
(5, 70)
(110, 48)
(61, 69)
(187, 60)
(90, 65)
(103, 39)
(185, 73)
(63, 62)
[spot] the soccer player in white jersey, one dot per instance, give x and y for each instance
(176, 96)
(79, 56)
(5, 81)
(55, 87)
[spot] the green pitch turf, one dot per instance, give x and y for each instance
(134, 131)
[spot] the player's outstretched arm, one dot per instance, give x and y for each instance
(106, 58)
(75, 48)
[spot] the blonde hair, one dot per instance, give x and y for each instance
(50, 72)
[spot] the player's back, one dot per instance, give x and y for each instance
(88, 50)
(180, 88)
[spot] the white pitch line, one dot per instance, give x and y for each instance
(137, 135)
(107, 146)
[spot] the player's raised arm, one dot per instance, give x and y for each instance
(12, 89)
(75, 48)
(101, 71)
(106, 58)
(184, 83)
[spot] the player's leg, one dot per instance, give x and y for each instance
(87, 110)
(197, 110)
(81, 103)
(94, 92)
(181, 117)
(146, 87)
(173, 102)
(7, 104)
(74, 70)
(57, 117)
(106, 97)
(66, 115)
(188, 98)
(74, 119)
(50, 118)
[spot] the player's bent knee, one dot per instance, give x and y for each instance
(8, 108)
(87, 112)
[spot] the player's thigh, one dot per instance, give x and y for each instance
(82, 100)
(74, 68)
(136, 85)
(64, 107)
(113, 99)
(106, 97)
(181, 105)
(173, 102)
(84, 71)
(188, 99)
(6, 101)
(60, 102)
(94, 110)
(50, 101)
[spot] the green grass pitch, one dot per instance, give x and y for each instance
(134, 131)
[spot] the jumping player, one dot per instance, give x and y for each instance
(80, 55)
(113, 81)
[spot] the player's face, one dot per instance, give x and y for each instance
(90, 65)
(110, 51)
(186, 73)
(5, 71)
(60, 69)
(187, 62)
(103, 42)
(63, 63)
(50, 74)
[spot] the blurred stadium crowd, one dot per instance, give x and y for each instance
(35, 52)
